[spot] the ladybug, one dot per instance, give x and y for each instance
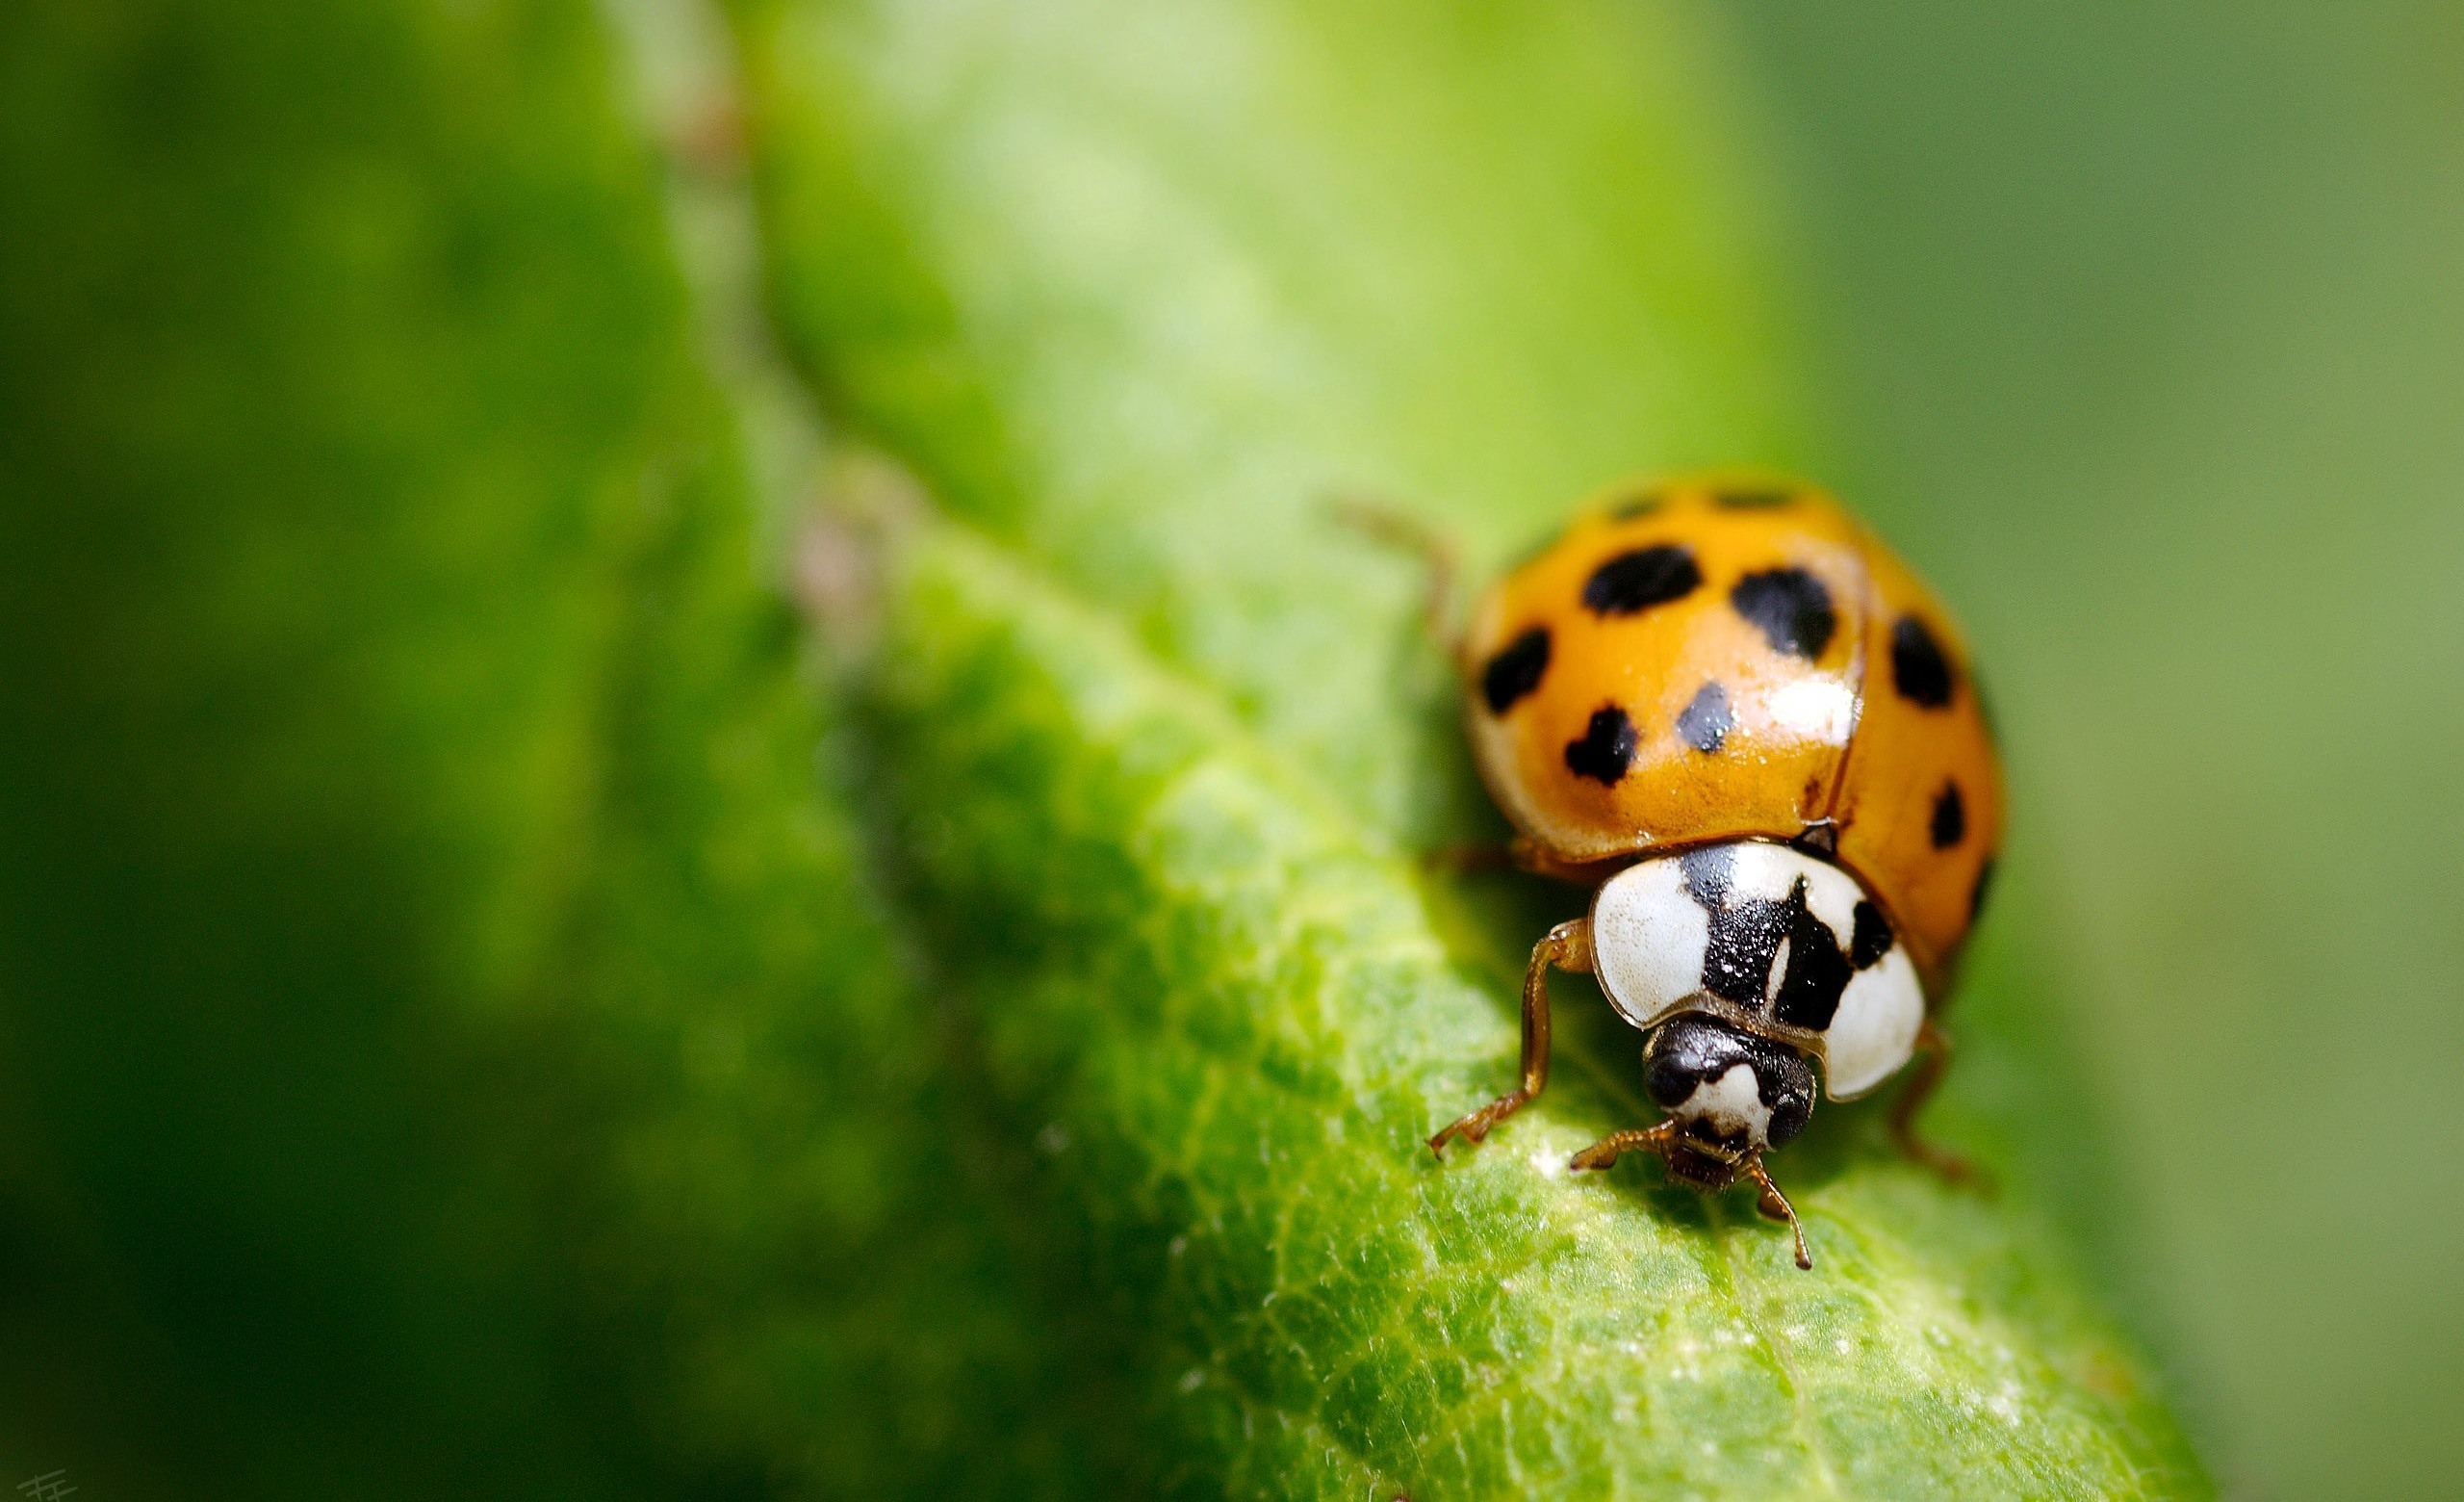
(1725, 705)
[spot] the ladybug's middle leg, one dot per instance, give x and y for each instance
(1522, 853)
(1566, 948)
(1936, 1046)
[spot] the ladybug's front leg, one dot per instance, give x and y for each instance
(1603, 1154)
(1566, 948)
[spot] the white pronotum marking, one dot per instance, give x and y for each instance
(1646, 941)
(1649, 934)
(1874, 1031)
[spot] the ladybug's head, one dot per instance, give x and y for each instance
(1729, 1093)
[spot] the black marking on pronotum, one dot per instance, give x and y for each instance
(1636, 509)
(1516, 670)
(1918, 669)
(1873, 937)
(1706, 721)
(1708, 872)
(1753, 498)
(1606, 747)
(1632, 583)
(1745, 942)
(1977, 894)
(1687, 1053)
(1817, 972)
(1790, 607)
(1950, 818)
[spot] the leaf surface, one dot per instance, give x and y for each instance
(469, 1053)
(1155, 745)
(471, 1045)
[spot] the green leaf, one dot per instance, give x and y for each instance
(1136, 286)
(1218, 1005)
(1134, 289)
(749, 1129)
(466, 1046)
(465, 1051)
(345, 373)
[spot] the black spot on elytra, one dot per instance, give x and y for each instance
(1606, 747)
(1706, 722)
(1790, 607)
(1687, 1053)
(1753, 498)
(1918, 669)
(1950, 818)
(1636, 509)
(1516, 670)
(1873, 937)
(1745, 942)
(1977, 894)
(1632, 583)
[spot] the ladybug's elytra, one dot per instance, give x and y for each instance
(1726, 705)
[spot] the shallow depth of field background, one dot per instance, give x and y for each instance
(2140, 331)
(2146, 326)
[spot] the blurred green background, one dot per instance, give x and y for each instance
(2139, 331)
(2144, 329)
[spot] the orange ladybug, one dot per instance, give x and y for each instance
(1729, 708)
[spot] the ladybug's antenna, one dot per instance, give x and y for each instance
(1668, 1142)
(1395, 528)
(1776, 1206)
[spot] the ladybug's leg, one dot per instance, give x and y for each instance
(1645, 1139)
(1775, 1205)
(1404, 533)
(1459, 860)
(1526, 854)
(1566, 948)
(1935, 1048)
(1522, 853)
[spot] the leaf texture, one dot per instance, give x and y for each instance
(472, 1043)
(1157, 746)
(1219, 1006)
